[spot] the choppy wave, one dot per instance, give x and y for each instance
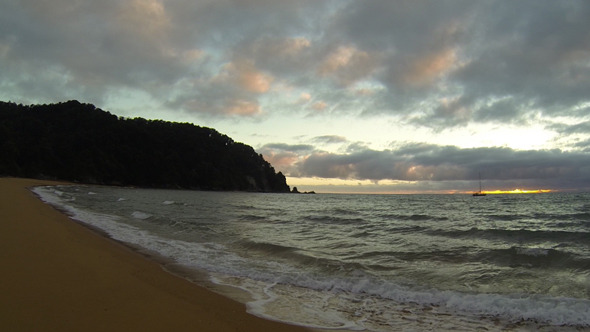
(361, 257)
(515, 235)
(535, 258)
(412, 217)
(331, 219)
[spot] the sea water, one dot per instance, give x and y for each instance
(367, 262)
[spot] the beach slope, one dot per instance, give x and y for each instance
(58, 275)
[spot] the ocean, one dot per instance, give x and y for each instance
(365, 262)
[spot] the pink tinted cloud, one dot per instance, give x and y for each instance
(426, 69)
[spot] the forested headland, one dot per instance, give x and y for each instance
(81, 143)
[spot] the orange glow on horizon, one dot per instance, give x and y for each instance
(517, 191)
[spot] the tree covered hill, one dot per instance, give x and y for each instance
(79, 142)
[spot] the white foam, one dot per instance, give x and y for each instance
(141, 215)
(269, 302)
(168, 202)
(107, 223)
(511, 308)
(45, 193)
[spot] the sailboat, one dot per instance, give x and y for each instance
(479, 193)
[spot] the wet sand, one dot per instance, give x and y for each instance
(58, 275)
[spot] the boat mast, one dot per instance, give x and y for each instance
(480, 182)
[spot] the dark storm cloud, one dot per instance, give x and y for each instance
(285, 156)
(425, 162)
(496, 61)
(434, 167)
(439, 63)
(330, 139)
(536, 55)
(288, 147)
(583, 146)
(90, 48)
(579, 128)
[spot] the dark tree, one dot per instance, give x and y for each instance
(79, 142)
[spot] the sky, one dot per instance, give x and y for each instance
(340, 96)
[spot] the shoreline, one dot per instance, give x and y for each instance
(61, 275)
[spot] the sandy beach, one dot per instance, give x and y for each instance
(58, 275)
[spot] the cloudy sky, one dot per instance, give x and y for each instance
(357, 96)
